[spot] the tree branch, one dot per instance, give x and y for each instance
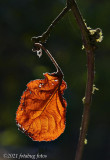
(90, 77)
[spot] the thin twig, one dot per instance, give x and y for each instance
(90, 78)
(43, 38)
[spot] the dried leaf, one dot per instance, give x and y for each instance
(42, 109)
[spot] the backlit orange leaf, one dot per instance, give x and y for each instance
(42, 109)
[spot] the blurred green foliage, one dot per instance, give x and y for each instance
(19, 21)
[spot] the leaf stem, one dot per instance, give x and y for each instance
(90, 78)
(39, 45)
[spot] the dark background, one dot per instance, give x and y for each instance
(19, 21)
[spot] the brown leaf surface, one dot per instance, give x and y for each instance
(42, 109)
